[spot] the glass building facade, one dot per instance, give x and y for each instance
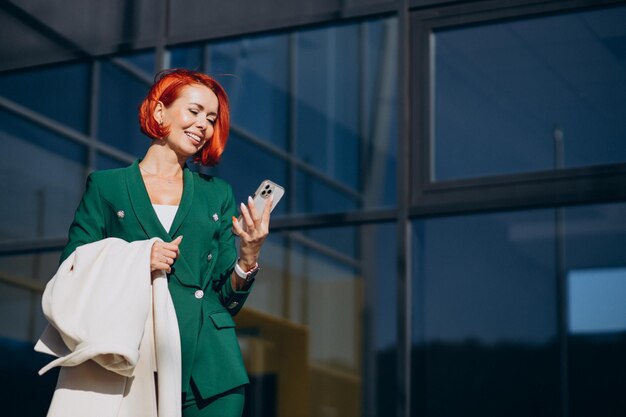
(450, 242)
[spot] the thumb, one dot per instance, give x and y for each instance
(178, 240)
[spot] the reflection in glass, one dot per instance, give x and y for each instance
(596, 300)
(595, 265)
(104, 161)
(485, 315)
(245, 166)
(324, 102)
(120, 96)
(59, 92)
(303, 330)
(142, 60)
(345, 113)
(186, 57)
(42, 178)
(254, 71)
(504, 92)
(22, 324)
(16, 302)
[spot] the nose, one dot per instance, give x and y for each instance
(202, 123)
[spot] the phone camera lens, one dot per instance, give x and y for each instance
(269, 192)
(267, 186)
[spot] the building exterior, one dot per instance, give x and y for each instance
(452, 237)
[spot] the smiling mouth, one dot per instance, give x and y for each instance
(196, 138)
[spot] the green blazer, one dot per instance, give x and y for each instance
(116, 204)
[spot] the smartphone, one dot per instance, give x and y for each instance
(263, 192)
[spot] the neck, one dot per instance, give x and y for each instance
(162, 162)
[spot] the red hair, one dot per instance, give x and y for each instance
(166, 89)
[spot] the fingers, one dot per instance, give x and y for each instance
(173, 245)
(168, 254)
(265, 218)
(164, 254)
(252, 209)
(246, 216)
(237, 228)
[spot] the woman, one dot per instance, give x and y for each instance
(186, 115)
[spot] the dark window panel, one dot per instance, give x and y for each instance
(504, 92)
(120, 97)
(485, 315)
(58, 92)
(595, 268)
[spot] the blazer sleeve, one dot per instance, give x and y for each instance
(232, 299)
(88, 224)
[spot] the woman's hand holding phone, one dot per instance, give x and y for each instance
(252, 230)
(252, 227)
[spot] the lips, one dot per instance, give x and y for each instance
(196, 138)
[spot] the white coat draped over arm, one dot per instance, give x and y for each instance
(108, 321)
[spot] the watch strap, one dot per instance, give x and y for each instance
(247, 275)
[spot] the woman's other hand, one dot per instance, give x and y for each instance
(163, 255)
(252, 231)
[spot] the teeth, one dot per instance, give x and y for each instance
(193, 136)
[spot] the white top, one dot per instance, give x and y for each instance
(166, 214)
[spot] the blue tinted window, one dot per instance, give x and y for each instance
(485, 315)
(530, 95)
(595, 267)
(142, 60)
(245, 166)
(58, 92)
(254, 73)
(596, 300)
(327, 97)
(104, 161)
(42, 178)
(118, 122)
(189, 57)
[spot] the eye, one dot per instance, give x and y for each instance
(212, 121)
(193, 111)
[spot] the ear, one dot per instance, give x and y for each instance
(158, 112)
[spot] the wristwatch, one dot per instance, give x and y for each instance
(249, 275)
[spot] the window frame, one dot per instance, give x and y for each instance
(598, 183)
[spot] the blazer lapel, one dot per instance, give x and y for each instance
(140, 200)
(185, 201)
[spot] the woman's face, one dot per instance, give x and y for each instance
(190, 118)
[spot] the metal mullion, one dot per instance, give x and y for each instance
(404, 289)
(366, 239)
(288, 156)
(561, 284)
(94, 101)
(206, 58)
(162, 7)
